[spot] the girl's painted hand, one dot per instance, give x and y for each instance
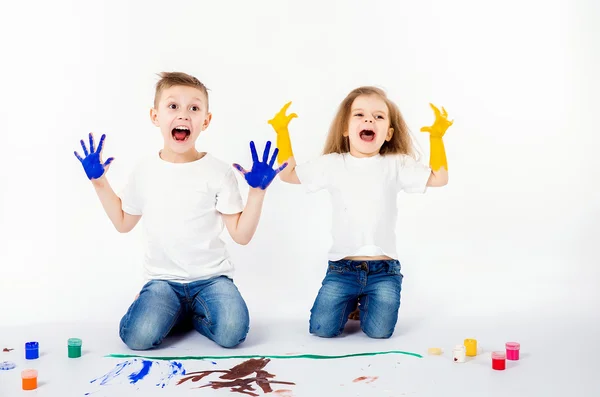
(262, 173)
(92, 163)
(440, 125)
(280, 121)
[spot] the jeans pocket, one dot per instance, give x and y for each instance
(394, 268)
(335, 269)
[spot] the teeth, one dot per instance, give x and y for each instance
(182, 127)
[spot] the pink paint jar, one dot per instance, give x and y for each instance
(512, 351)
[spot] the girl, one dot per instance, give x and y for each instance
(367, 160)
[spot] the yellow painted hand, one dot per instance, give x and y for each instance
(280, 124)
(440, 125)
(437, 155)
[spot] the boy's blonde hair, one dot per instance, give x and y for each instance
(170, 79)
(400, 143)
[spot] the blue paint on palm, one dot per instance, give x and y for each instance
(92, 164)
(262, 173)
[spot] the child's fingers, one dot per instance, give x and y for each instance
(85, 151)
(240, 169)
(272, 162)
(278, 170)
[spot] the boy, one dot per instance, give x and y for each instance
(185, 197)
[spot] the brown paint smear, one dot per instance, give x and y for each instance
(367, 379)
(236, 376)
(6, 350)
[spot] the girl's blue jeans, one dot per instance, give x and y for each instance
(375, 284)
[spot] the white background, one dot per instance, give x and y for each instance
(515, 229)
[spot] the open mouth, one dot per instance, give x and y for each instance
(367, 135)
(180, 133)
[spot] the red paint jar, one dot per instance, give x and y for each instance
(499, 361)
(512, 351)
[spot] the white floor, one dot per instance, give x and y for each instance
(559, 357)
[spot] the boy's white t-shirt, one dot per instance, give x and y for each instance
(364, 194)
(181, 206)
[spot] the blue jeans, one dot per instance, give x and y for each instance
(214, 307)
(375, 284)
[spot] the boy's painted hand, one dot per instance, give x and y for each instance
(440, 125)
(262, 173)
(92, 163)
(280, 124)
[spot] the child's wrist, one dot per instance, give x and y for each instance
(99, 183)
(257, 192)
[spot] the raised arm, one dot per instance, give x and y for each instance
(280, 124)
(96, 173)
(242, 226)
(437, 156)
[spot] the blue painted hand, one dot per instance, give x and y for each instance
(92, 164)
(262, 173)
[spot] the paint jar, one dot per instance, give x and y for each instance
(32, 350)
(29, 379)
(435, 351)
(74, 347)
(459, 354)
(499, 361)
(512, 351)
(471, 347)
(7, 366)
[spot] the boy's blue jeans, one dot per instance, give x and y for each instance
(215, 307)
(376, 284)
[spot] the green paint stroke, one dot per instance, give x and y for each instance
(306, 356)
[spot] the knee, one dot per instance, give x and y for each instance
(139, 338)
(324, 332)
(381, 327)
(378, 333)
(231, 334)
(232, 328)
(143, 327)
(324, 326)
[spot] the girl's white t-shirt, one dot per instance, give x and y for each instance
(364, 194)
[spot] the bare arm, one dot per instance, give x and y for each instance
(288, 174)
(242, 226)
(438, 178)
(111, 203)
(96, 171)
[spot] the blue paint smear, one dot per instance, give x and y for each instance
(137, 376)
(175, 368)
(114, 373)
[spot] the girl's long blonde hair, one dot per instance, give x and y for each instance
(400, 143)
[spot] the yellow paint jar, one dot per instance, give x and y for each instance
(471, 346)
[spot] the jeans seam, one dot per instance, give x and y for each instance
(173, 322)
(207, 319)
(342, 317)
(365, 312)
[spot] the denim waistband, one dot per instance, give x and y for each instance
(365, 264)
